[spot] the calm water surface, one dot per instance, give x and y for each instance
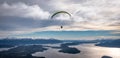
(87, 51)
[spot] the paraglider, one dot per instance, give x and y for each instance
(59, 13)
(61, 27)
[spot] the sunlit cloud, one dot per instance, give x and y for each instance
(20, 17)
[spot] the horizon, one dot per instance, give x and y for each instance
(70, 35)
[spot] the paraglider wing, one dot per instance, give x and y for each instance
(60, 12)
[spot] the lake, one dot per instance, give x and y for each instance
(87, 51)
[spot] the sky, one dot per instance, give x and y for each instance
(31, 18)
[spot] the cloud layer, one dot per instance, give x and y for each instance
(23, 16)
(23, 10)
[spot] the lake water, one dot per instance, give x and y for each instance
(87, 51)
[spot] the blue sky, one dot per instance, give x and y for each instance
(31, 18)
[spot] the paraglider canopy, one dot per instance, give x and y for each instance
(59, 12)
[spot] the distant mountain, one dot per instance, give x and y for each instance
(12, 42)
(109, 43)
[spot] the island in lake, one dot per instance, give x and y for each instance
(66, 49)
(106, 57)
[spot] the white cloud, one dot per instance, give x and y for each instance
(103, 14)
(90, 9)
(87, 15)
(23, 10)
